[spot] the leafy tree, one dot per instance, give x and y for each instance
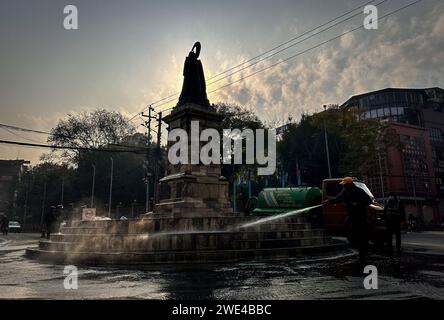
(354, 144)
(128, 174)
(303, 146)
(363, 138)
(237, 117)
(41, 187)
(94, 129)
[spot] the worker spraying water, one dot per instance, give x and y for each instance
(357, 201)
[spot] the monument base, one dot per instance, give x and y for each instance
(206, 239)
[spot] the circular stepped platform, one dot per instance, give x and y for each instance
(202, 240)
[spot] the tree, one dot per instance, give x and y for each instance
(363, 138)
(94, 129)
(354, 144)
(237, 117)
(128, 175)
(41, 187)
(303, 146)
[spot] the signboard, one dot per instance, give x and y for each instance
(88, 213)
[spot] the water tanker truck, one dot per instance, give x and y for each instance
(333, 218)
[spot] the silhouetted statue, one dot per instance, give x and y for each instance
(194, 87)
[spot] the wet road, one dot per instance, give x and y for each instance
(414, 275)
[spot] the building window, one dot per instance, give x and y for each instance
(435, 134)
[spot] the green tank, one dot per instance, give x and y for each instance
(280, 200)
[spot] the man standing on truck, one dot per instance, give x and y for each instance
(357, 201)
(394, 215)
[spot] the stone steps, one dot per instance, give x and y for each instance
(275, 227)
(246, 235)
(170, 224)
(203, 240)
(189, 242)
(175, 257)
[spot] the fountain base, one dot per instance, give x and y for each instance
(159, 240)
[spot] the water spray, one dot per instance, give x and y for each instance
(235, 228)
(279, 216)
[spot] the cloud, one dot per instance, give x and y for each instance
(401, 53)
(406, 51)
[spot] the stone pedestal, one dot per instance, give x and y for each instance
(192, 190)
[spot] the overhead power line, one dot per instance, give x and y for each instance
(69, 147)
(298, 54)
(290, 46)
(22, 129)
(266, 52)
(7, 126)
(18, 135)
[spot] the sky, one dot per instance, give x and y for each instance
(127, 54)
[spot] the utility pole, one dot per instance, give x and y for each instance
(110, 187)
(93, 185)
(25, 209)
(148, 174)
(326, 145)
(158, 156)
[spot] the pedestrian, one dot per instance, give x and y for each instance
(357, 201)
(412, 223)
(49, 219)
(4, 225)
(394, 215)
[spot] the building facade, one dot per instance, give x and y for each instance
(414, 167)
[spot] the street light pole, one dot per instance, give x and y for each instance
(110, 187)
(132, 208)
(63, 190)
(43, 203)
(93, 185)
(380, 176)
(147, 196)
(326, 145)
(25, 209)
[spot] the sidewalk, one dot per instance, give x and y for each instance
(18, 241)
(424, 242)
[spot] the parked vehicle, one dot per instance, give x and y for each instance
(14, 226)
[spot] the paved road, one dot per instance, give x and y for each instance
(431, 242)
(417, 274)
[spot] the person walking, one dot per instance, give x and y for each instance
(357, 201)
(49, 219)
(394, 215)
(4, 225)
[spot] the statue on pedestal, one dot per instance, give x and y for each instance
(194, 87)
